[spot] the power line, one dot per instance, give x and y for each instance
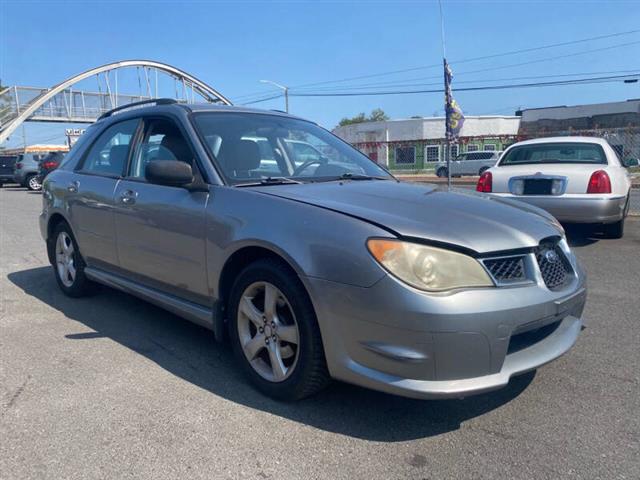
(520, 64)
(467, 60)
(532, 77)
(473, 89)
(499, 67)
(264, 99)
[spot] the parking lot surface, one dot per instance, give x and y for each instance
(112, 387)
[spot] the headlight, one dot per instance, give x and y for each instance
(428, 268)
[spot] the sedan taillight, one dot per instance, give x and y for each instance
(50, 165)
(599, 182)
(485, 182)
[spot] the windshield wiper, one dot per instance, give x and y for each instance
(359, 176)
(269, 181)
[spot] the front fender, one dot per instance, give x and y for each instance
(316, 242)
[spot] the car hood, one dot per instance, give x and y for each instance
(467, 219)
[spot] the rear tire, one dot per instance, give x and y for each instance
(33, 183)
(442, 172)
(616, 230)
(279, 347)
(68, 264)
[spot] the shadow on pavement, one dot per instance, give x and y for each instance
(191, 353)
(581, 235)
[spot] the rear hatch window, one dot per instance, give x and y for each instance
(563, 152)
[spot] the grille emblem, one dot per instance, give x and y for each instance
(551, 256)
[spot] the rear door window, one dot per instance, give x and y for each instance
(109, 153)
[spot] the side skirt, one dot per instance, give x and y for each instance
(189, 310)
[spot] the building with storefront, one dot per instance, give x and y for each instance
(418, 143)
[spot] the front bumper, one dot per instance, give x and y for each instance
(577, 208)
(395, 339)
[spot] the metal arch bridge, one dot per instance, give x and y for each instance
(62, 103)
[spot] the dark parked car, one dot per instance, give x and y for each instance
(7, 163)
(326, 268)
(49, 163)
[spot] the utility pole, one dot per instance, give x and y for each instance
(284, 89)
(447, 142)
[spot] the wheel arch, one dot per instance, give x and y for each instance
(243, 256)
(54, 220)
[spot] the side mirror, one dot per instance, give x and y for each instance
(172, 173)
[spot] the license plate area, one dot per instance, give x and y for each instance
(538, 186)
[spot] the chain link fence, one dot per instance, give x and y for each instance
(421, 159)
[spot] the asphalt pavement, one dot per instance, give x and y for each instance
(111, 387)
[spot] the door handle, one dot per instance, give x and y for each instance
(73, 186)
(128, 197)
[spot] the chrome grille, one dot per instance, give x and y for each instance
(506, 269)
(554, 266)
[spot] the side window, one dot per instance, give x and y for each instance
(162, 140)
(109, 153)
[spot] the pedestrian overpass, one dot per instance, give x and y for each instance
(62, 103)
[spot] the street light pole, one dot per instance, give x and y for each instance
(284, 89)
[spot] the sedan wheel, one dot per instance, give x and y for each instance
(268, 331)
(34, 184)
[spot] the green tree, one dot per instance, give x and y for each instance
(377, 115)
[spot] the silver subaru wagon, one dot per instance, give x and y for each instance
(313, 268)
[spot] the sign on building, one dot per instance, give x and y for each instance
(73, 134)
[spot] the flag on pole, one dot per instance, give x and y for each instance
(454, 115)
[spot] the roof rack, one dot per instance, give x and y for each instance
(156, 101)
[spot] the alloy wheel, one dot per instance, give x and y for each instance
(34, 184)
(268, 331)
(65, 259)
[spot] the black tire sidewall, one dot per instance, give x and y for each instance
(275, 273)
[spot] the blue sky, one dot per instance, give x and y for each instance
(232, 45)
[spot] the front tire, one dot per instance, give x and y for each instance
(274, 332)
(68, 264)
(442, 172)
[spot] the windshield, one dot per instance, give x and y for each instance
(563, 152)
(253, 147)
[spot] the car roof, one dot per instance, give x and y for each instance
(192, 108)
(575, 139)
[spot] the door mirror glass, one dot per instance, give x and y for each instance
(172, 173)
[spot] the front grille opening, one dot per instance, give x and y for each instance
(524, 340)
(506, 269)
(554, 266)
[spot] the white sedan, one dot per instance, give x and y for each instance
(576, 179)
